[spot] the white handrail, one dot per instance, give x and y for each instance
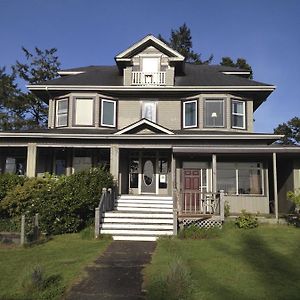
(148, 78)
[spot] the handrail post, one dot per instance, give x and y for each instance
(22, 230)
(97, 222)
(222, 203)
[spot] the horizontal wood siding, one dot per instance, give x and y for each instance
(128, 112)
(169, 114)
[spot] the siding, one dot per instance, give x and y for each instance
(128, 112)
(169, 114)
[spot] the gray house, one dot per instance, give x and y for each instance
(173, 134)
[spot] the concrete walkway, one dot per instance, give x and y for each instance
(116, 275)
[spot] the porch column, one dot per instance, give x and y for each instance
(275, 185)
(114, 161)
(214, 173)
(31, 160)
(69, 161)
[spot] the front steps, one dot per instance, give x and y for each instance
(139, 218)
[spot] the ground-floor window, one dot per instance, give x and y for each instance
(240, 178)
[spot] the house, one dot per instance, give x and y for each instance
(171, 133)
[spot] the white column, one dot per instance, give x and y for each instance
(214, 173)
(31, 160)
(275, 185)
(114, 161)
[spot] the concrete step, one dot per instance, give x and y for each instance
(136, 232)
(145, 197)
(107, 225)
(146, 209)
(157, 205)
(146, 201)
(134, 238)
(132, 214)
(139, 221)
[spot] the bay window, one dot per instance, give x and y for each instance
(108, 113)
(238, 114)
(214, 113)
(190, 114)
(244, 178)
(61, 112)
(84, 111)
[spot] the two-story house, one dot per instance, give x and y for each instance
(165, 128)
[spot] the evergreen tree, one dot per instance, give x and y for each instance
(290, 130)
(240, 63)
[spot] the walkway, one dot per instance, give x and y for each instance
(116, 275)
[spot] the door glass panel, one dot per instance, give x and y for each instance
(134, 173)
(148, 172)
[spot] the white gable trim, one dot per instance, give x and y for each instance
(142, 122)
(147, 38)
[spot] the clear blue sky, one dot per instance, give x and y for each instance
(91, 32)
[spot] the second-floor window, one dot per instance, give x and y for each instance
(149, 110)
(84, 111)
(238, 114)
(190, 114)
(108, 113)
(62, 112)
(214, 113)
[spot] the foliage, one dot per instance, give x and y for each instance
(65, 204)
(10, 224)
(240, 63)
(294, 197)
(246, 220)
(226, 209)
(197, 233)
(87, 233)
(181, 41)
(290, 130)
(45, 271)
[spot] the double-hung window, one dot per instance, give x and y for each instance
(61, 112)
(238, 114)
(214, 113)
(190, 114)
(84, 111)
(108, 113)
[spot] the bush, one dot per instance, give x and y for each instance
(226, 209)
(65, 204)
(295, 198)
(246, 220)
(197, 233)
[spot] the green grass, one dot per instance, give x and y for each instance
(260, 263)
(45, 271)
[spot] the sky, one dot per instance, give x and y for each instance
(91, 32)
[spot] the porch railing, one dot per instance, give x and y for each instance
(195, 203)
(153, 78)
(106, 203)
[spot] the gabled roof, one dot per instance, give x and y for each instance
(149, 40)
(142, 125)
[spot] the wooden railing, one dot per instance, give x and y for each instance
(106, 203)
(195, 202)
(154, 78)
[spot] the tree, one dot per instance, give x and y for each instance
(40, 66)
(181, 41)
(290, 130)
(240, 63)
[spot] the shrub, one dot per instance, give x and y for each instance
(226, 209)
(197, 233)
(295, 198)
(246, 220)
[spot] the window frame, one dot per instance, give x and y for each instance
(114, 113)
(207, 100)
(183, 114)
(238, 114)
(75, 111)
(57, 114)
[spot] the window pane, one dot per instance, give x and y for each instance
(62, 106)
(134, 173)
(214, 113)
(149, 111)
(108, 113)
(190, 114)
(84, 111)
(237, 121)
(62, 120)
(249, 178)
(226, 177)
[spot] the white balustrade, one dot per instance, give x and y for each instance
(154, 78)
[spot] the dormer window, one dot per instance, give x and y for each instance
(190, 115)
(61, 112)
(149, 110)
(214, 113)
(108, 113)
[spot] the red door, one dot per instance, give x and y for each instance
(191, 190)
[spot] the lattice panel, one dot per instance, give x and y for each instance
(202, 223)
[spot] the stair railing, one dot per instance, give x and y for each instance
(106, 203)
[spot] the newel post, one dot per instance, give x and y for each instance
(175, 212)
(97, 222)
(23, 230)
(222, 205)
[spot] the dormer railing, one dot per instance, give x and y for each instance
(154, 78)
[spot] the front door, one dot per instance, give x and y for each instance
(148, 180)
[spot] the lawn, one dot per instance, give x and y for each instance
(55, 265)
(261, 263)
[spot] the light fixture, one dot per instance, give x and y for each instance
(214, 115)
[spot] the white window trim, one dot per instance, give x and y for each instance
(196, 112)
(114, 116)
(204, 112)
(56, 112)
(239, 114)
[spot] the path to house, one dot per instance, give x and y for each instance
(117, 274)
